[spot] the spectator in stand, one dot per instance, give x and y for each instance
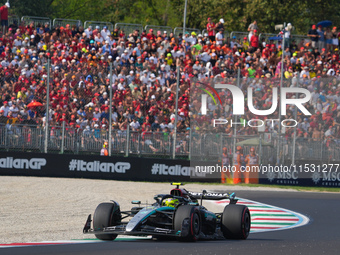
(314, 35)
(105, 33)
(150, 36)
(192, 39)
(286, 34)
(335, 39)
(144, 78)
(4, 17)
(88, 31)
(253, 26)
(321, 41)
(254, 41)
(328, 38)
(220, 38)
(211, 30)
(219, 26)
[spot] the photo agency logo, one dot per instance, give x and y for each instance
(239, 105)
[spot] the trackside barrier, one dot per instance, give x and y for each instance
(91, 139)
(239, 35)
(266, 36)
(134, 142)
(299, 38)
(119, 142)
(101, 167)
(226, 34)
(36, 20)
(128, 28)
(182, 144)
(178, 30)
(28, 138)
(146, 169)
(21, 137)
(101, 25)
(159, 28)
(152, 143)
(13, 19)
(64, 22)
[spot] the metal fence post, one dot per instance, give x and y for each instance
(260, 149)
(321, 156)
(281, 83)
(110, 112)
(295, 115)
(62, 138)
(235, 129)
(190, 143)
(127, 141)
(185, 15)
(138, 148)
(47, 117)
(176, 117)
(77, 146)
(6, 138)
(40, 138)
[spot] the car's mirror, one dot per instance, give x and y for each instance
(135, 202)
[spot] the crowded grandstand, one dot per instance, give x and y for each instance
(144, 78)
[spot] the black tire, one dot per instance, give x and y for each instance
(188, 216)
(235, 222)
(106, 215)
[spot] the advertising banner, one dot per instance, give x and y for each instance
(303, 174)
(97, 167)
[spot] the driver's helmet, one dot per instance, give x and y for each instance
(170, 202)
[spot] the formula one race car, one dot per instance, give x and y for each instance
(176, 215)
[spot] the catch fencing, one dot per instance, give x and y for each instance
(159, 28)
(89, 140)
(178, 30)
(238, 35)
(64, 22)
(129, 28)
(99, 24)
(37, 21)
(13, 19)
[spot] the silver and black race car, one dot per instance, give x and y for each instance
(177, 215)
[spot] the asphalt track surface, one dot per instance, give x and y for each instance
(320, 236)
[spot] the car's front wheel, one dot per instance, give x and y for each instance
(188, 222)
(235, 222)
(106, 215)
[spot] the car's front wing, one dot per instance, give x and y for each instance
(120, 229)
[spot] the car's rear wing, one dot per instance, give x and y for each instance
(213, 196)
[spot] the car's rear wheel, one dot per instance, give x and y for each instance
(106, 215)
(235, 222)
(187, 220)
